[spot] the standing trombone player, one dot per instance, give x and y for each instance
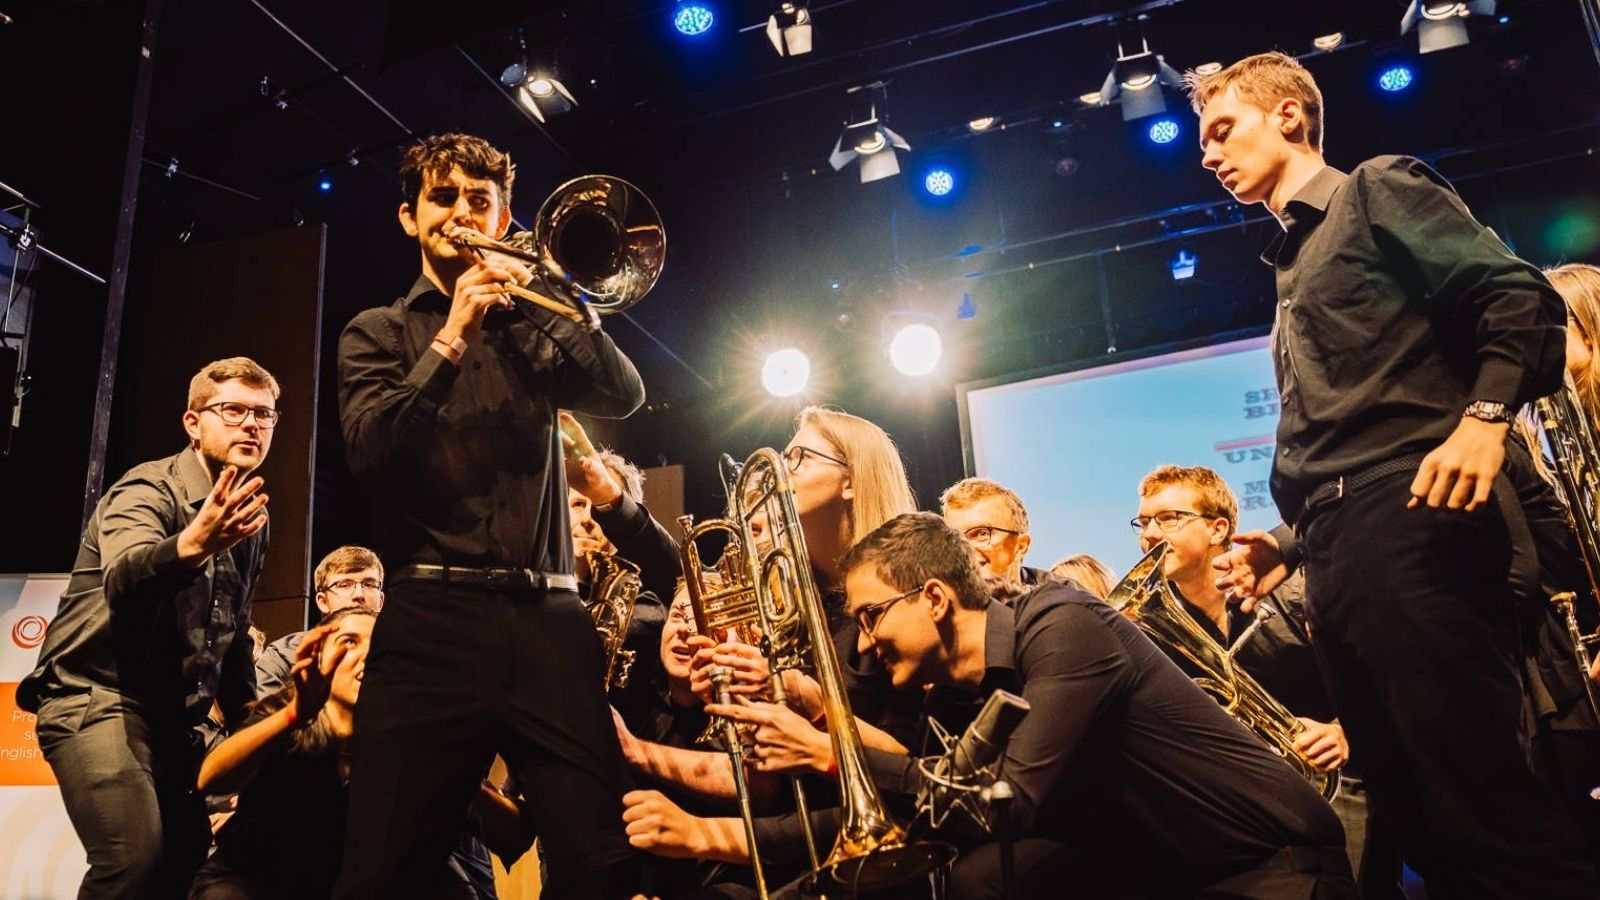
(447, 399)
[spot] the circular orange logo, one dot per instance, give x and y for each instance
(28, 633)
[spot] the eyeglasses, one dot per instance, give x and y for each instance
(349, 585)
(236, 413)
(868, 617)
(797, 454)
(985, 535)
(1167, 520)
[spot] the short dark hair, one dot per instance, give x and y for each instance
(437, 154)
(914, 548)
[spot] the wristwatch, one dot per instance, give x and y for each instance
(1489, 411)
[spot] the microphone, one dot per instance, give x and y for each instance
(964, 773)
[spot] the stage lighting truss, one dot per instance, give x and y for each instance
(866, 136)
(789, 29)
(1442, 24)
(540, 92)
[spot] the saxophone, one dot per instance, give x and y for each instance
(1146, 597)
(613, 587)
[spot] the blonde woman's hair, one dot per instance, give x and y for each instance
(1579, 285)
(873, 463)
(1095, 576)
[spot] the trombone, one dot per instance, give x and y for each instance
(597, 246)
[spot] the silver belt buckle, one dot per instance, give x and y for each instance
(1339, 488)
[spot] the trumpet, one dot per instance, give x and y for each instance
(597, 247)
(1145, 596)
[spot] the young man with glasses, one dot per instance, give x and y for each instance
(995, 524)
(152, 631)
(1194, 511)
(349, 576)
(1117, 742)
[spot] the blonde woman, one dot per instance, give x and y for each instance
(1579, 285)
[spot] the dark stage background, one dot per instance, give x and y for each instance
(252, 104)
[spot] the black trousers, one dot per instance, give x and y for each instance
(456, 675)
(1413, 621)
(128, 785)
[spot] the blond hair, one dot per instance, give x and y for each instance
(1093, 575)
(1217, 500)
(1263, 80)
(343, 561)
(1579, 285)
(969, 491)
(872, 463)
(203, 386)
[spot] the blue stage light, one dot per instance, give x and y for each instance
(1183, 265)
(693, 18)
(1164, 131)
(324, 185)
(939, 182)
(1396, 78)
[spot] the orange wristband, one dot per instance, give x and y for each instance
(833, 765)
(292, 715)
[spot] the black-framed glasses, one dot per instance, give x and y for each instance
(985, 535)
(1166, 520)
(236, 413)
(349, 585)
(794, 456)
(868, 617)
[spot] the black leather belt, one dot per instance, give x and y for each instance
(499, 578)
(1329, 491)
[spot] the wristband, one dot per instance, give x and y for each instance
(833, 765)
(293, 715)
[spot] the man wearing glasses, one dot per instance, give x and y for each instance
(349, 576)
(1117, 742)
(1194, 511)
(995, 523)
(153, 629)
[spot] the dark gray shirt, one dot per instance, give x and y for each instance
(136, 621)
(466, 460)
(1396, 308)
(1119, 741)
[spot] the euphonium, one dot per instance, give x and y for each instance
(613, 588)
(1577, 467)
(1146, 597)
(597, 246)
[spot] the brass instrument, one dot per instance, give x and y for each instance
(597, 246)
(613, 588)
(1577, 467)
(872, 850)
(1145, 596)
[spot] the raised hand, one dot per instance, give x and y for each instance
(1251, 570)
(312, 671)
(586, 474)
(229, 515)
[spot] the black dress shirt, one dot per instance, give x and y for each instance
(1120, 743)
(1395, 310)
(136, 621)
(466, 460)
(643, 541)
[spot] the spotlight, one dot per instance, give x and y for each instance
(693, 18)
(325, 185)
(1328, 42)
(786, 372)
(1183, 264)
(1093, 98)
(866, 137)
(1137, 81)
(542, 94)
(967, 308)
(1209, 68)
(1396, 78)
(915, 349)
(939, 182)
(789, 29)
(1163, 130)
(982, 124)
(1442, 24)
